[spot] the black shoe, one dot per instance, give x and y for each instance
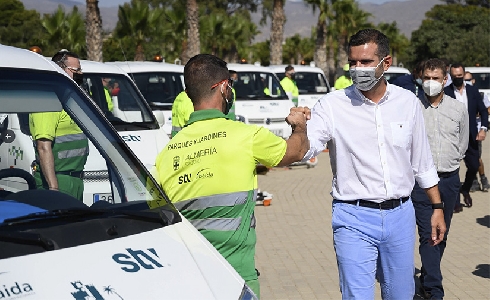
(467, 199)
(458, 208)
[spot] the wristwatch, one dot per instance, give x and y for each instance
(438, 205)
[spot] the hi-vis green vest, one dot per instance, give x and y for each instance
(208, 171)
(69, 143)
(289, 86)
(181, 111)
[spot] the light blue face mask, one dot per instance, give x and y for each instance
(365, 77)
(418, 81)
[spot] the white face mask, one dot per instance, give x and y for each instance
(365, 77)
(468, 82)
(432, 87)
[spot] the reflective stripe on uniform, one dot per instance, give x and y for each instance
(230, 199)
(221, 224)
(70, 138)
(177, 129)
(73, 153)
(253, 221)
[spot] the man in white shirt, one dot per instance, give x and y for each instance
(378, 148)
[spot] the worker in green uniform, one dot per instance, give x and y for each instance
(208, 169)
(108, 98)
(345, 80)
(61, 147)
(181, 111)
(288, 83)
(231, 114)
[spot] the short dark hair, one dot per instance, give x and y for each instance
(435, 63)
(200, 73)
(370, 35)
(60, 57)
(457, 65)
(232, 72)
(288, 68)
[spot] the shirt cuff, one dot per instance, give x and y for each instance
(427, 179)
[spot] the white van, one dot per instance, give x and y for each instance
(482, 78)
(260, 98)
(55, 247)
(395, 72)
(159, 83)
(126, 110)
(311, 81)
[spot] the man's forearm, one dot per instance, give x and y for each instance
(46, 161)
(297, 146)
(433, 194)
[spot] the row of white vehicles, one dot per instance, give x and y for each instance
(56, 247)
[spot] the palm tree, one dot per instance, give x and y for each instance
(321, 33)
(65, 31)
(173, 32)
(397, 40)
(348, 19)
(192, 17)
(140, 23)
(94, 31)
(110, 290)
(277, 31)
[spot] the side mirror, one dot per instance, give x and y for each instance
(160, 117)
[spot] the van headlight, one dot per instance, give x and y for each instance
(247, 294)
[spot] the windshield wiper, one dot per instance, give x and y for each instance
(162, 217)
(28, 238)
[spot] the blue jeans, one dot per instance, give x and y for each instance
(372, 243)
(431, 276)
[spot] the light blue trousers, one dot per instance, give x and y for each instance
(374, 244)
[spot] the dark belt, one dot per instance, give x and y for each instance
(387, 204)
(447, 174)
(77, 174)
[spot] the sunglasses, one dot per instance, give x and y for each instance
(75, 70)
(230, 83)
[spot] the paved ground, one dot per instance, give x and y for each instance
(295, 254)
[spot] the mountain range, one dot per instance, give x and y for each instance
(300, 18)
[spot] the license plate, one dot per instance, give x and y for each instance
(277, 132)
(105, 197)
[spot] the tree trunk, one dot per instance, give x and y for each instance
(93, 36)
(395, 60)
(330, 62)
(277, 31)
(320, 55)
(193, 42)
(342, 56)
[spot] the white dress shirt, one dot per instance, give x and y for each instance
(377, 151)
(461, 97)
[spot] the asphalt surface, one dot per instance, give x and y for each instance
(295, 254)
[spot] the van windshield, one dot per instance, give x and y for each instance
(120, 101)
(482, 81)
(258, 86)
(308, 82)
(159, 88)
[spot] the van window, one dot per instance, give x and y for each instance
(308, 82)
(129, 181)
(482, 80)
(120, 101)
(159, 88)
(257, 85)
(390, 77)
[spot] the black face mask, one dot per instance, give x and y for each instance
(78, 78)
(458, 81)
(293, 76)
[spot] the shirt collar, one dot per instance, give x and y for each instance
(205, 114)
(383, 99)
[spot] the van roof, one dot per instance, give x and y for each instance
(393, 69)
(18, 58)
(478, 69)
(297, 68)
(248, 67)
(147, 66)
(89, 66)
